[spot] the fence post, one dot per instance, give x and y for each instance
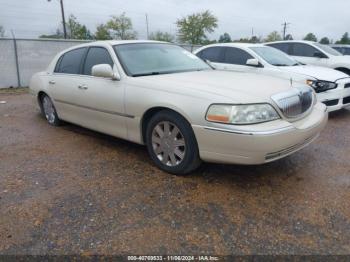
(16, 58)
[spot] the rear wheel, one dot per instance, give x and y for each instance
(171, 143)
(49, 111)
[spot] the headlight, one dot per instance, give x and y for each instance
(321, 86)
(241, 114)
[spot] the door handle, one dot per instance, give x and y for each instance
(83, 87)
(51, 82)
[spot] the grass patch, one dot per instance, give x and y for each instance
(16, 90)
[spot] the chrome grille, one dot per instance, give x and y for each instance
(295, 102)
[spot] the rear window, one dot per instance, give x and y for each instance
(284, 47)
(213, 54)
(70, 62)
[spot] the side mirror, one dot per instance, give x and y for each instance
(105, 70)
(253, 62)
(102, 70)
(319, 54)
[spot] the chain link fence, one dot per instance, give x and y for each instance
(21, 58)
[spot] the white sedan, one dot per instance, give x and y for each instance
(161, 95)
(313, 53)
(332, 87)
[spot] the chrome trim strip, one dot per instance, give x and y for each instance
(251, 133)
(95, 109)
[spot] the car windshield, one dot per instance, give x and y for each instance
(328, 49)
(274, 56)
(142, 59)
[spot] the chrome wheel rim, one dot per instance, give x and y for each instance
(49, 110)
(168, 143)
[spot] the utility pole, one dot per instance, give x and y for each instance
(63, 19)
(285, 25)
(147, 26)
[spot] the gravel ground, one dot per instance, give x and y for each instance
(68, 190)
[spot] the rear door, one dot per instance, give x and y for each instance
(63, 83)
(101, 100)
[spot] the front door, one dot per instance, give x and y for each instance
(101, 100)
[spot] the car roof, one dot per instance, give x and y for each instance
(291, 41)
(340, 45)
(117, 42)
(238, 45)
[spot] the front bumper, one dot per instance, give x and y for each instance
(336, 99)
(258, 144)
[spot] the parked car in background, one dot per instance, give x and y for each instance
(312, 53)
(163, 96)
(332, 87)
(344, 49)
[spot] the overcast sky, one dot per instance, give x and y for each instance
(30, 18)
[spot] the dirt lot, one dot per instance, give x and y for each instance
(68, 190)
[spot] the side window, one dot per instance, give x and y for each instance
(284, 47)
(213, 54)
(236, 56)
(346, 51)
(300, 49)
(96, 56)
(70, 62)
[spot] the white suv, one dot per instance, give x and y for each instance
(314, 54)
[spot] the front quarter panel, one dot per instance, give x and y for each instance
(140, 99)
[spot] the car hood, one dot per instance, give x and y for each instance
(320, 73)
(238, 87)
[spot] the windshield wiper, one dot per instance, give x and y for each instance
(279, 64)
(146, 74)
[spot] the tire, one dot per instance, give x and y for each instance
(48, 110)
(171, 143)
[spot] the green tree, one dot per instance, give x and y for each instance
(2, 31)
(325, 41)
(242, 40)
(121, 27)
(225, 38)
(75, 30)
(209, 42)
(273, 36)
(289, 37)
(193, 28)
(57, 35)
(310, 37)
(102, 33)
(255, 40)
(162, 36)
(345, 40)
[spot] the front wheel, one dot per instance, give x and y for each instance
(171, 143)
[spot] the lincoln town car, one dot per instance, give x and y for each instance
(185, 112)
